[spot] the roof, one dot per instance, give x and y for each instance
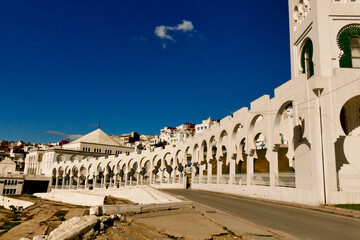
(7, 161)
(98, 137)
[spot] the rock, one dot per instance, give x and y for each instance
(40, 237)
(89, 235)
(96, 210)
(122, 218)
(105, 218)
(102, 226)
(74, 228)
(24, 239)
(118, 216)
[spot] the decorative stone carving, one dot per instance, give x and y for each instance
(301, 10)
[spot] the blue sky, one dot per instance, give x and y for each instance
(65, 65)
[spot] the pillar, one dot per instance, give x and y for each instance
(250, 170)
(209, 172)
(273, 169)
(232, 171)
(56, 181)
(63, 182)
(86, 182)
(78, 182)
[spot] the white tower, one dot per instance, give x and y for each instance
(324, 35)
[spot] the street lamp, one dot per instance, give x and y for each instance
(318, 92)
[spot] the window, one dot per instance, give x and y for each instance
(307, 63)
(348, 40)
(306, 59)
(355, 52)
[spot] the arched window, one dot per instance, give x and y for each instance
(355, 52)
(306, 59)
(349, 42)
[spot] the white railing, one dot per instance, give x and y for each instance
(349, 182)
(204, 179)
(286, 179)
(240, 179)
(195, 179)
(213, 179)
(262, 179)
(224, 179)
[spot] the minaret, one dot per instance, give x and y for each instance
(315, 29)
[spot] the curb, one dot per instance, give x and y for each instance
(143, 208)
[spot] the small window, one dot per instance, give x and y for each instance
(355, 52)
(307, 63)
(306, 59)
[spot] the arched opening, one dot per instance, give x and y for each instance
(241, 165)
(225, 168)
(203, 163)
(347, 147)
(108, 176)
(349, 42)
(74, 182)
(307, 58)
(156, 170)
(213, 161)
(179, 167)
(350, 117)
(132, 174)
(53, 178)
(82, 177)
(99, 181)
(261, 164)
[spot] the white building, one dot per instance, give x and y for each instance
(95, 144)
(203, 126)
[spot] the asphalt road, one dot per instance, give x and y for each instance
(298, 222)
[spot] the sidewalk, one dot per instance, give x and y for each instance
(191, 223)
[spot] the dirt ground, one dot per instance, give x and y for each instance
(171, 224)
(35, 219)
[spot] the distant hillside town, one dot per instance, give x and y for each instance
(16, 178)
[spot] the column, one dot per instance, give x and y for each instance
(63, 182)
(209, 172)
(273, 169)
(219, 170)
(232, 171)
(174, 175)
(250, 170)
(86, 182)
(70, 180)
(56, 181)
(78, 182)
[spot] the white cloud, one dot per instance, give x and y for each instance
(163, 31)
(185, 26)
